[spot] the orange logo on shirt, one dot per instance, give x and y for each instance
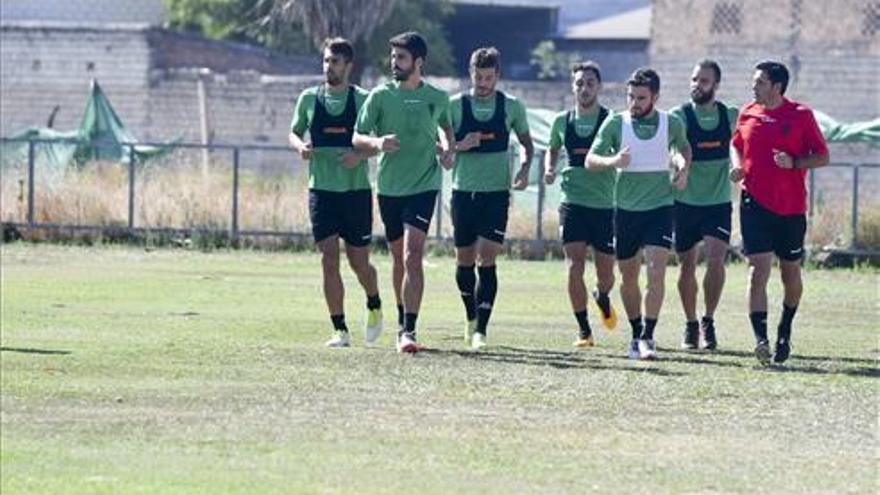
(708, 144)
(579, 151)
(335, 130)
(485, 136)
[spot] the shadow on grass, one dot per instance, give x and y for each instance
(750, 354)
(861, 371)
(553, 359)
(26, 350)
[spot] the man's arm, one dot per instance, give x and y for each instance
(303, 148)
(550, 159)
(521, 180)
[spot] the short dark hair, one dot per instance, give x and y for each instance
(486, 58)
(645, 77)
(708, 63)
(776, 72)
(412, 42)
(341, 47)
(589, 65)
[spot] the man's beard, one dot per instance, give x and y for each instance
(400, 74)
(484, 92)
(586, 102)
(332, 79)
(701, 98)
(639, 115)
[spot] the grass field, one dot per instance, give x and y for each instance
(169, 371)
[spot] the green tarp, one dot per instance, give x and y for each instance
(100, 125)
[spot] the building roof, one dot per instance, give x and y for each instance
(538, 4)
(150, 12)
(632, 25)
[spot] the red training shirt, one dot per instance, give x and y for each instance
(792, 128)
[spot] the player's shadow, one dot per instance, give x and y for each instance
(792, 366)
(27, 350)
(553, 359)
(840, 359)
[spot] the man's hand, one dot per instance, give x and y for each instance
(783, 159)
(447, 159)
(389, 143)
(622, 158)
(471, 140)
(521, 181)
(305, 152)
(736, 174)
(549, 175)
(350, 159)
(680, 180)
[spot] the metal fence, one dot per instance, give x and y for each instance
(536, 204)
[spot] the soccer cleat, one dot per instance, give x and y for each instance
(584, 341)
(762, 352)
(341, 338)
(406, 342)
(710, 342)
(470, 327)
(373, 328)
(647, 349)
(691, 338)
(632, 351)
(478, 341)
(609, 319)
(783, 350)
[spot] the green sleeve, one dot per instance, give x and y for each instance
(607, 140)
(443, 115)
(301, 121)
(677, 133)
(677, 113)
(360, 96)
(368, 114)
(557, 132)
(519, 121)
(455, 113)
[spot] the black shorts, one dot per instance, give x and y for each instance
(764, 231)
(693, 223)
(636, 229)
(479, 214)
(346, 214)
(594, 226)
(415, 210)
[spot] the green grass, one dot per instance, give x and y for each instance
(132, 371)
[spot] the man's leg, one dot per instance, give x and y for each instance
(397, 273)
(334, 291)
(575, 259)
(466, 279)
(413, 280)
(632, 298)
(487, 281)
(656, 258)
(713, 284)
(687, 292)
(759, 273)
(359, 260)
(793, 287)
(604, 264)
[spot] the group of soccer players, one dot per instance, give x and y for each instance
(634, 184)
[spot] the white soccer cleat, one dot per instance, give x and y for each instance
(478, 341)
(373, 328)
(341, 338)
(406, 342)
(647, 349)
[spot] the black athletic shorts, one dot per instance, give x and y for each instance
(692, 223)
(479, 214)
(415, 210)
(634, 230)
(346, 214)
(764, 231)
(594, 226)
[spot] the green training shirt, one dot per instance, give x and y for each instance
(580, 185)
(413, 115)
(326, 172)
(485, 172)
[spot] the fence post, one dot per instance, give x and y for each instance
(30, 193)
(438, 229)
(131, 182)
(235, 165)
(812, 186)
(855, 207)
(539, 215)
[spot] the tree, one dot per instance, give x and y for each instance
(551, 63)
(300, 26)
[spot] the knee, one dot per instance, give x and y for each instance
(330, 262)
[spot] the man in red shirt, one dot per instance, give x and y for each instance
(775, 142)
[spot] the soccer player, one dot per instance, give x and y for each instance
(400, 120)
(775, 142)
(702, 210)
(586, 211)
(638, 143)
(340, 199)
(483, 119)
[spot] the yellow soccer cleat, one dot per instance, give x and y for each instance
(584, 342)
(609, 320)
